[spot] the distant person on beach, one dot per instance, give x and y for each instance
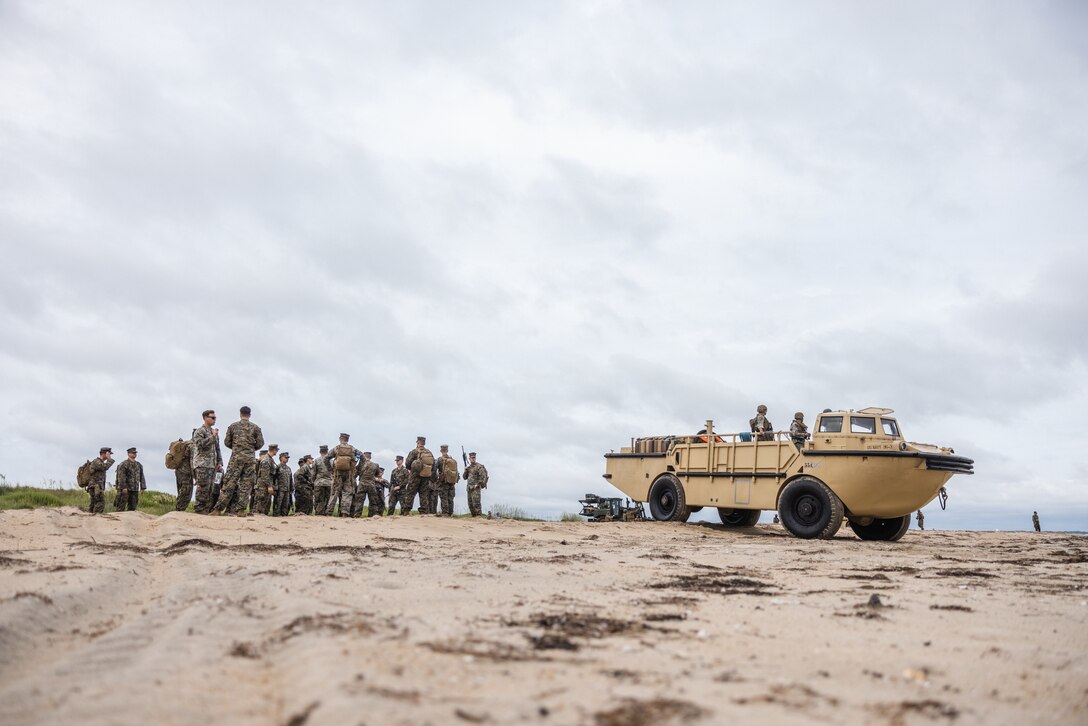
(243, 438)
(129, 483)
(476, 476)
(761, 426)
(921, 520)
(97, 486)
(1035, 521)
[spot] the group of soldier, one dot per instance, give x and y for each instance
(257, 480)
(763, 429)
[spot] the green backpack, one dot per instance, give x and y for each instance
(83, 474)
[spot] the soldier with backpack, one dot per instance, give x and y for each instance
(92, 476)
(243, 439)
(179, 459)
(205, 460)
(342, 458)
(129, 483)
(448, 476)
(420, 464)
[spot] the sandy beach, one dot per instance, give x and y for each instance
(131, 619)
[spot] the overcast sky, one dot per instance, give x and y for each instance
(539, 229)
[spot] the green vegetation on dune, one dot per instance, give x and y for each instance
(21, 497)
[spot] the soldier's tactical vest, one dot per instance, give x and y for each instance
(426, 464)
(449, 471)
(345, 457)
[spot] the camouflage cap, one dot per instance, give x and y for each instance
(368, 453)
(761, 408)
(132, 450)
(105, 450)
(400, 458)
(308, 457)
(285, 455)
(345, 437)
(323, 448)
(421, 439)
(472, 453)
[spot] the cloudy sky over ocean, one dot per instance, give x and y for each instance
(539, 229)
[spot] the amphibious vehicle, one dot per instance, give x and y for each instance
(857, 466)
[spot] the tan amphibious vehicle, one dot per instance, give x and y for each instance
(857, 465)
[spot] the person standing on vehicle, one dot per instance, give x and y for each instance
(761, 426)
(799, 430)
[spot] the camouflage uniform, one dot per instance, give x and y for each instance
(798, 433)
(130, 478)
(343, 482)
(183, 477)
(921, 520)
(97, 487)
(266, 479)
(1035, 521)
(476, 476)
(322, 470)
(205, 458)
(446, 491)
(367, 491)
(243, 438)
(304, 488)
(761, 423)
(398, 482)
(285, 484)
(416, 483)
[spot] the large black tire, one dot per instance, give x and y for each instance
(739, 517)
(688, 511)
(667, 500)
(882, 530)
(809, 509)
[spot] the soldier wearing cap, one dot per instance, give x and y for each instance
(205, 461)
(799, 430)
(366, 491)
(342, 458)
(304, 486)
(322, 480)
(761, 426)
(97, 486)
(398, 482)
(448, 476)
(418, 475)
(476, 476)
(243, 439)
(267, 470)
(284, 487)
(129, 483)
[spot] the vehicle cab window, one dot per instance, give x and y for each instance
(831, 424)
(862, 425)
(890, 427)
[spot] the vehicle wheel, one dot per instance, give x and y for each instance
(883, 530)
(667, 501)
(688, 511)
(809, 509)
(739, 517)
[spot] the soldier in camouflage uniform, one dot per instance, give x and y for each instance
(342, 459)
(285, 484)
(398, 481)
(266, 481)
(304, 486)
(476, 476)
(322, 481)
(97, 487)
(129, 483)
(243, 439)
(366, 490)
(205, 459)
(448, 476)
(799, 430)
(1035, 522)
(921, 520)
(761, 426)
(415, 480)
(183, 477)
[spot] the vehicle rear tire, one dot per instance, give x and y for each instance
(667, 500)
(883, 530)
(809, 509)
(739, 517)
(688, 511)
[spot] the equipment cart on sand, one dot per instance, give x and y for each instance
(857, 465)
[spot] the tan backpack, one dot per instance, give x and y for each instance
(177, 454)
(426, 464)
(345, 457)
(83, 474)
(449, 471)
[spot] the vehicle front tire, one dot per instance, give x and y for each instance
(738, 517)
(667, 500)
(809, 509)
(883, 530)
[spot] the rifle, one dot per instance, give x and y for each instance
(464, 456)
